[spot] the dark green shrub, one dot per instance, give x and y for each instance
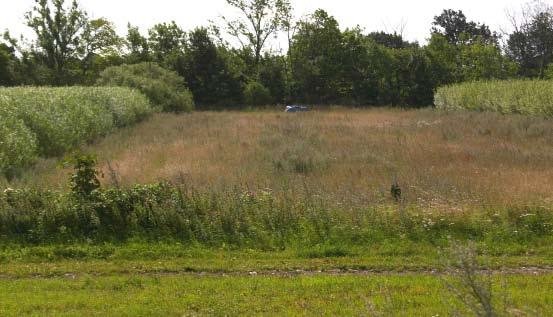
(164, 88)
(84, 181)
(255, 94)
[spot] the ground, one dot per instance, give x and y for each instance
(452, 163)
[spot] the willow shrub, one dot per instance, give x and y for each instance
(528, 97)
(51, 121)
(164, 88)
(18, 146)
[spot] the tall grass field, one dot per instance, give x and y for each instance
(245, 213)
(528, 97)
(51, 121)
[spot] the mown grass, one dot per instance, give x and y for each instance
(322, 295)
(19, 261)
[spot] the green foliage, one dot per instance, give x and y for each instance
(317, 59)
(59, 29)
(549, 72)
(18, 147)
(259, 20)
(84, 181)
(102, 43)
(453, 25)
(530, 97)
(531, 44)
(166, 44)
(481, 62)
(209, 72)
(411, 82)
(242, 219)
(390, 40)
(272, 74)
(52, 121)
(476, 60)
(164, 88)
(330, 66)
(6, 60)
(137, 46)
(255, 94)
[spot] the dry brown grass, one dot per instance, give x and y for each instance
(450, 160)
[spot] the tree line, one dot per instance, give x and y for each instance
(230, 63)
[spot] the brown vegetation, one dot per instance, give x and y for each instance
(347, 157)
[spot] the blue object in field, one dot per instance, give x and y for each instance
(296, 109)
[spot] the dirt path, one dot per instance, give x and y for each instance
(279, 273)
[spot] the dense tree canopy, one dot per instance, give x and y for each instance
(531, 44)
(458, 30)
(324, 64)
(208, 73)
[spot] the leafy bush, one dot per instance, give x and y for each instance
(51, 121)
(255, 94)
(164, 88)
(251, 219)
(549, 72)
(529, 97)
(17, 144)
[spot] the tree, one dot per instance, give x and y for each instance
(99, 38)
(369, 69)
(208, 73)
(467, 62)
(457, 30)
(390, 40)
(137, 46)
(445, 60)
(167, 42)
(6, 65)
(483, 62)
(531, 43)
(413, 83)
(272, 75)
(59, 31)
(260, 19)
(317, 63)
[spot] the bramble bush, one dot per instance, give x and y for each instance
(164, 88)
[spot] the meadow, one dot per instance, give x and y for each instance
(156, 174)
(442, 160)
(266, 213)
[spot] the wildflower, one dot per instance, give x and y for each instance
(8, 190)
